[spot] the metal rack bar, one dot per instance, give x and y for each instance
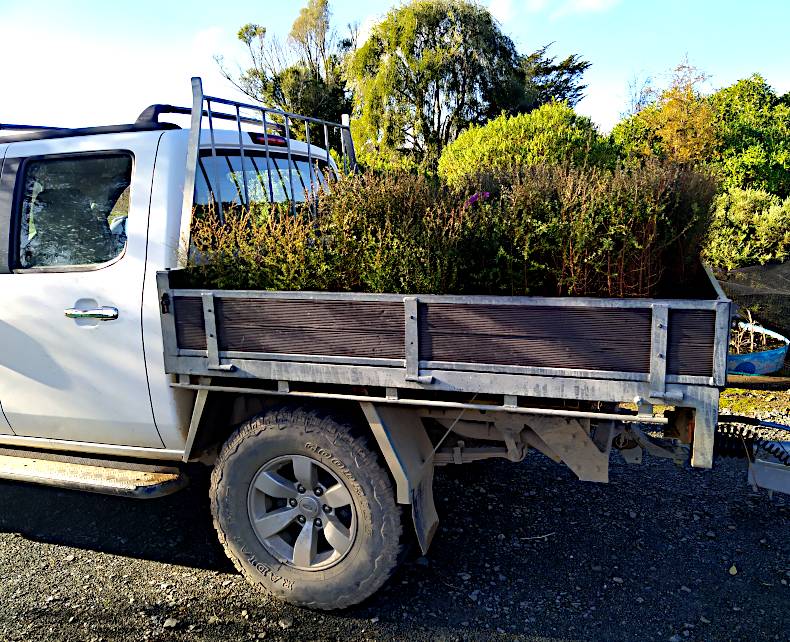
(216, 167)
(290, 163)
(193, 150)
(268, 158)
(241, 158)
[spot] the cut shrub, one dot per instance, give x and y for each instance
(546, 229)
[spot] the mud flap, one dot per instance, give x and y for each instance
(423, 511)
(409, 455)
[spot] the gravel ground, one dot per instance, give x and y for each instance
(523, 552)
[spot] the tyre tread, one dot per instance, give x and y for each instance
(342, 432)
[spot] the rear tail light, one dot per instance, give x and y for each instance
(271, 139)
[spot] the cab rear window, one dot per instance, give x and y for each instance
(261, 179)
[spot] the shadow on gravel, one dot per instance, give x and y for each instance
(530, 552)
(176, 529)
(523, 552)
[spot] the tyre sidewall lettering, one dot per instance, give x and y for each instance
(324, 454)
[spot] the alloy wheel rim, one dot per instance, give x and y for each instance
(302, 512)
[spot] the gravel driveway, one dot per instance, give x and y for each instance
(523, 552)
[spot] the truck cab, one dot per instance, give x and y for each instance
(87, 218)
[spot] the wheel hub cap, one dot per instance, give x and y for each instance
(309, 507)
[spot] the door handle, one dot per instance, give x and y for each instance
(103, 314)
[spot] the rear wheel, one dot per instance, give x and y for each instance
(305, 510)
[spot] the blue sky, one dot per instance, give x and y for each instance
(86, 62)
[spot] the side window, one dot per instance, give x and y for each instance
(73, 210)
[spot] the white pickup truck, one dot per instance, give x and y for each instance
(322, 414)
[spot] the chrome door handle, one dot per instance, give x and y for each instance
(103, 313)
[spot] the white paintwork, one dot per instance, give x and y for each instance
(5, 427)
(66, 379)
(171, 407)
(102, 387)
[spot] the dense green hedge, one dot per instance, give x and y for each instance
(750, 227)
(547, 229)
(552, 134)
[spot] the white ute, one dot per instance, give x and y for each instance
(323, 415)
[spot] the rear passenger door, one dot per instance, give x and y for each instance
(71, 280)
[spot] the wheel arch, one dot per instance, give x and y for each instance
(398, 433)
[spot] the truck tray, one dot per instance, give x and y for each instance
(459, 343)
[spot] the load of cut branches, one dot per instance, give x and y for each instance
(543, 230)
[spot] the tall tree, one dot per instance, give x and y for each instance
(548, 80)
(675, 123)
(311, 36)
(754, 130)
(433, 67)
(302, 75)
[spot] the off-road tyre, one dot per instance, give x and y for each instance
(314, 433)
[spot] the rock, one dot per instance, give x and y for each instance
(170, 623)
(618, 580)
(733, 570)
(704, 620)
(710, 534)
(423, 561)
(465, 577)
(675, 638)
(632, 514)
(261, 635)
(286, 622)
(374, 620)
(686, 589)
(213, 619)
(596, 568)
(69, 558)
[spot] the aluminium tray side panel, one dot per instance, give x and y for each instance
(606, 339)
(574, 338)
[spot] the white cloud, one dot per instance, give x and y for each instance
(502, 10)
(604, 101)
(365, 27)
